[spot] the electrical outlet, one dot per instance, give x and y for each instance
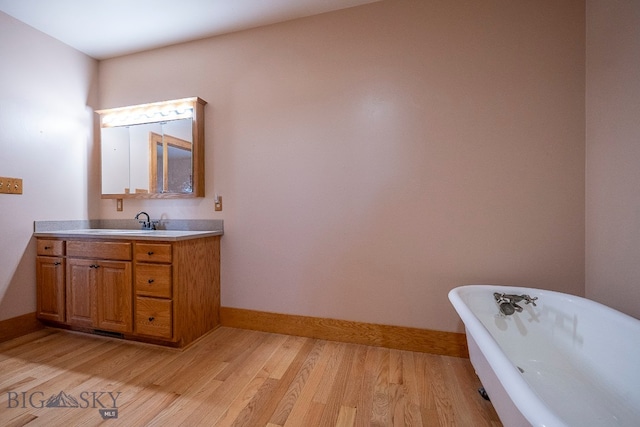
(10, 185)
(218, 203)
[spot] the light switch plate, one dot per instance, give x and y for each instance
(10, 185)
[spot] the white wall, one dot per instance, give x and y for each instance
(371, 159)
(613, 154)
(46, 138)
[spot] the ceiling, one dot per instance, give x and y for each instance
(105, 29)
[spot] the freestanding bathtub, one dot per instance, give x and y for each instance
(568, 361)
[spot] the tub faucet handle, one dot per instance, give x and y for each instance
(528, 300)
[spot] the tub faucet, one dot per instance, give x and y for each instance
(148, 224)
(509, 303)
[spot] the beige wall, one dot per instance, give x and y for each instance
(47, 90)
(372, 159)
(369, 159)
(613, 154)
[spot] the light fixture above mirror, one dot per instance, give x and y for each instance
(153, 150)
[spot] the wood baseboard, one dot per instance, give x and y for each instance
(397, 337)
(18, 326)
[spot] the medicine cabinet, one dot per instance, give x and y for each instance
(153, 150)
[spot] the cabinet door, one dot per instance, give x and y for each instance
(51, 287)
(114, 296)
(81, 279)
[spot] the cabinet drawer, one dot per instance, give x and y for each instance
(153, 317)
(153, 252)
(153, 280)
(99, 250)
(50, 247)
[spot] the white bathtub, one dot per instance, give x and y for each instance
(568, 361)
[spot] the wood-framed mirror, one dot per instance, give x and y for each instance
(153, 150)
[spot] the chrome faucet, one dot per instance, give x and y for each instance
(509, 303)
(148, 224)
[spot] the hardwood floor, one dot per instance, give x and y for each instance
(232, 377)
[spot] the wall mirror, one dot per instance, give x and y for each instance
(153, 150)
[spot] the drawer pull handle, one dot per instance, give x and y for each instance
(150, 280)
(151, 319)
(57, 263)
(46, 248)
(94, 266)
(150, 253)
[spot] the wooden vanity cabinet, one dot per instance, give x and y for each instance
(50, 276)
(177, 289)
(165, 292)
(99, 285)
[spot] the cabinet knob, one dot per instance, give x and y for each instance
(46, 248)
(150, 253)
(57, 263)
(151, 319)
(150, 281)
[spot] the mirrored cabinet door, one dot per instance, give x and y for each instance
(153, 150)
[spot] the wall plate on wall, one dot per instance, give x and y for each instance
(10, 185)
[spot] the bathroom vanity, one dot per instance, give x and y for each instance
(159, 286)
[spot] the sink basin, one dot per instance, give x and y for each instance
(115, 231)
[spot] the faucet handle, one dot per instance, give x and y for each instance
(501, 298)
(528, 300)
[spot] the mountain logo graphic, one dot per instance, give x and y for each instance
(62, 400)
